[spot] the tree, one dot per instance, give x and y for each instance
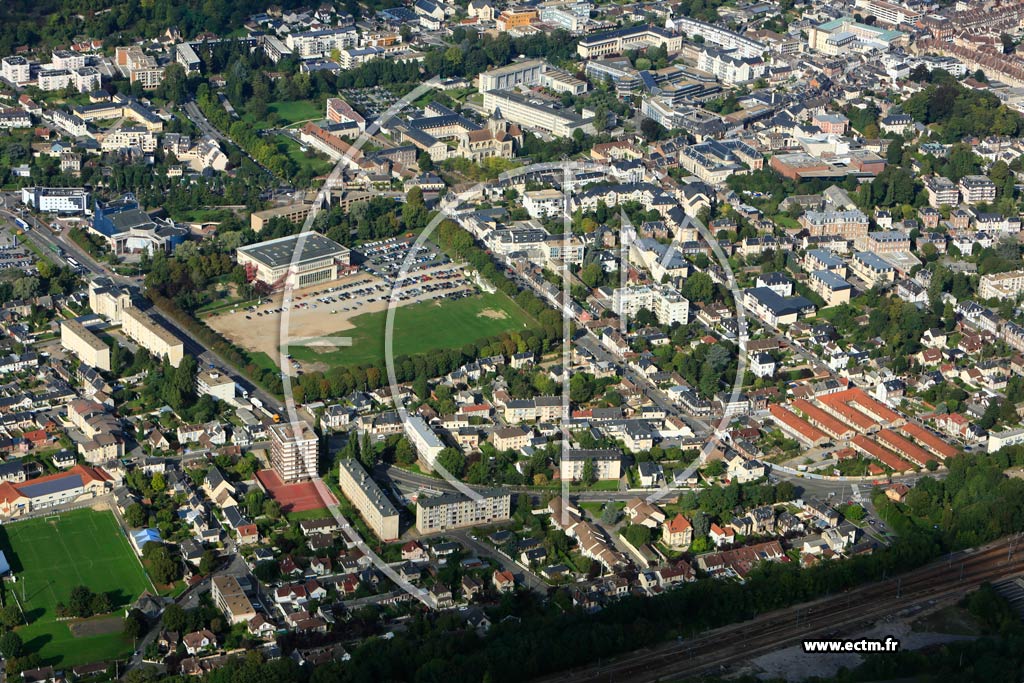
(589, 474)
(135, 515)
(134, 624)
(10, 616)
(158, 483)
(651, 129)
(272, 509)
(698, 287)
(162, 566)
(175, 618)
(853, 512)
(637, 534)
(80, 602)
(610, 514)
(11, 645)
(453, 461)
(208, 562)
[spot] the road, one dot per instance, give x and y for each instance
(526, 577)
(43, 237)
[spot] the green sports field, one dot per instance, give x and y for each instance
(50, 556)
(422, 327)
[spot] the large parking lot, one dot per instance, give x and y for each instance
(14, 254)
(328, 309)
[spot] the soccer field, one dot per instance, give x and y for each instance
(50, 556)
(421, 327)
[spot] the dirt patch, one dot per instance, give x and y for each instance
(101, 626)
(493, 313)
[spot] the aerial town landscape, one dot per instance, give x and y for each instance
(479, 340)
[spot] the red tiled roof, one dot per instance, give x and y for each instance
(795, 423)
(822, 420)
(872, 449)
(930, 441)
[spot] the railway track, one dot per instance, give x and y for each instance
(860, 607)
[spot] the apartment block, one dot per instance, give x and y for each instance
(230, 599)
(830, 287)
(149, 334)
(374, 506)
(16, 69)
(849, 224)
(668, 305)
(1001, 285)
(423, 439)
(79, 340)
(941, 191)
(607, 464)
(872, 269)
(977, 189)
(883, 242)
(294, 451)
(456, 511)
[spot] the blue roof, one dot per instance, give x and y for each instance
(831, 280)
(873, 261)
(5, 566)
(144, 536)
(51, 486)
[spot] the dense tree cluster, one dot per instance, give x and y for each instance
(961, 111)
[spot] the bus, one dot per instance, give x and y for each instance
(22, 224)
(57, 249)
(74, 264)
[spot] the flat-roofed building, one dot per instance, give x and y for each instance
(456, 511)
(941, 191)
(301, 260)
(16, 69)
(294, 451)
(56, 199)
(1001, 285)
(215, 384)
(977, 189)
(374, 507)
(428, 446)
(79, 340)
(533, 112)
(138, 326)
(294, 213)
(230, 599)
(526, 72)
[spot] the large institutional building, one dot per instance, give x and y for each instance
(294, 451)
(455, 511)
(363, 492)
(280, 262)
(78, 483)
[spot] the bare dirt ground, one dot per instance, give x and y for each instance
(96, 627)
(310, 316)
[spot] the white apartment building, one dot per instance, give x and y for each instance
(428, 446)
(215, 384)
(313, 44)
(294, 451)
(1001, 285)
(53, 79)
(729, 67)
(977, 189)
(547, 203)
(79, 340)
(67, 59)
(607, 464)
(668, 305)
(16, 69)
(158, 340)
(56, 199)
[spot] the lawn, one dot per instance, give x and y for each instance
(290, 112)
(316, 164)
(422, 327)
(316, 513)
(48, 559)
